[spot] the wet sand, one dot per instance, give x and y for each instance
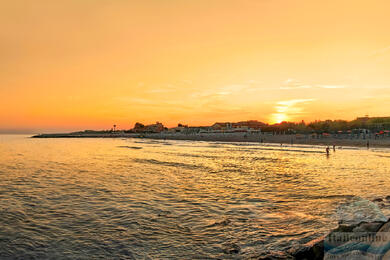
(240, 137)
(282, 139)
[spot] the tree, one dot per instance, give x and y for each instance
(138, 125)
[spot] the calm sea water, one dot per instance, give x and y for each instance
(146, 199)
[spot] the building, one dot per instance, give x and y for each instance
(222, 126)
(244, 126)
(153, 128)
(250, 125)
(184, 129)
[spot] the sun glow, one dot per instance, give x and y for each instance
(278, 118)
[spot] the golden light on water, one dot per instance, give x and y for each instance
(121, 190)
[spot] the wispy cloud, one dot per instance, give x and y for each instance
(331, 86)
(222, 91)
(292, 84)
(296, 87)
(293, 102)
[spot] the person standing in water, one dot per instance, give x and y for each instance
(327, 150)
(334, 148)
(368, 144)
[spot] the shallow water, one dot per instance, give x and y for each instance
(139, 198)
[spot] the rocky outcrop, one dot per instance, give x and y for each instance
(312, 250)
(366, 240)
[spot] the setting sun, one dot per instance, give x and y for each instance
(278, 118)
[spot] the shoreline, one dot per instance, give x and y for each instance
(237, 137)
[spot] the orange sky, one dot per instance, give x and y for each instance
(82, 64)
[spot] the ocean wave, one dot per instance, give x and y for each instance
(130, 147)
(171, 164)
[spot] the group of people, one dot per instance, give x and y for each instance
(327, 150)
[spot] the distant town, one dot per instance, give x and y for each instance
(363, 131)
(374, 125)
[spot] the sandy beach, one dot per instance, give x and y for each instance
(338, 141)
(282, 139)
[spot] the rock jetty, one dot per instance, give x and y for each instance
(366, 240)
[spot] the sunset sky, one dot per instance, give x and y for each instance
(89, 64)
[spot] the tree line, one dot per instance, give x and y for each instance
(330, 126)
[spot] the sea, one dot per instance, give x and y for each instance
(113, 198)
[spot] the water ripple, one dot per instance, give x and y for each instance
(83, 199)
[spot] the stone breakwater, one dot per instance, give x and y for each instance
(88, 135)
(366, 240)
(350, 240)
